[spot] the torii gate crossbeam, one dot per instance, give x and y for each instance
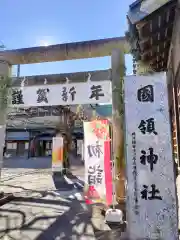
(65, 51)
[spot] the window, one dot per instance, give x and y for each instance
(26, 145)
(11, 145)
(49, 145)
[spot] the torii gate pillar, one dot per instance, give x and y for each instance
(118, 73)
(5, 71)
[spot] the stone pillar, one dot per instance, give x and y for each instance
(118, 72)
(5, 72)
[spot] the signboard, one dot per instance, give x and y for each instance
(151, 195)
(57, 154)
(14, 136)
(35, 112)
(98, 176)
(62, 94)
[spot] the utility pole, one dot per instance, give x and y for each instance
(118, 73)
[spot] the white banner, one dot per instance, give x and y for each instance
(151, 196)
(94, 163)
(62, 94)
(57, 154)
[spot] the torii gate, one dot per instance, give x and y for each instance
(117, 47)
(143, 222)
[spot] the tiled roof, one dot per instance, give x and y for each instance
(150, 33)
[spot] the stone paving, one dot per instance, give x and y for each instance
(48, 207)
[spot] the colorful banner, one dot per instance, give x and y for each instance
(57, 154)
(98, 175)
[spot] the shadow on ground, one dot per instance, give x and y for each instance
(67, 182)
(72, 224)
(48, 215)
(51, 220)
(62, 183)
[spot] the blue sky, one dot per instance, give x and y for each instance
(37, 22)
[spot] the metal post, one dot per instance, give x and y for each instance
(118, 72)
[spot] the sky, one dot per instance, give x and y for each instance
(28, 23)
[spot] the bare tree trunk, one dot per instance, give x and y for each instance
(118, 72)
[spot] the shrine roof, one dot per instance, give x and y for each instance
(150, 31)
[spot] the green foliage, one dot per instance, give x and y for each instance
(5, 86)
(143, 68)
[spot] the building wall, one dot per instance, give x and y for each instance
(17, 148)
(17, 143)
(174, 78)
(174, 68)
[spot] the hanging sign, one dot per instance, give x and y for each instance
(57, 154)
(98, 176)
(62, 94)
(151, 196)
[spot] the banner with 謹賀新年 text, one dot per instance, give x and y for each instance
(57, 154)
(98, 175)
